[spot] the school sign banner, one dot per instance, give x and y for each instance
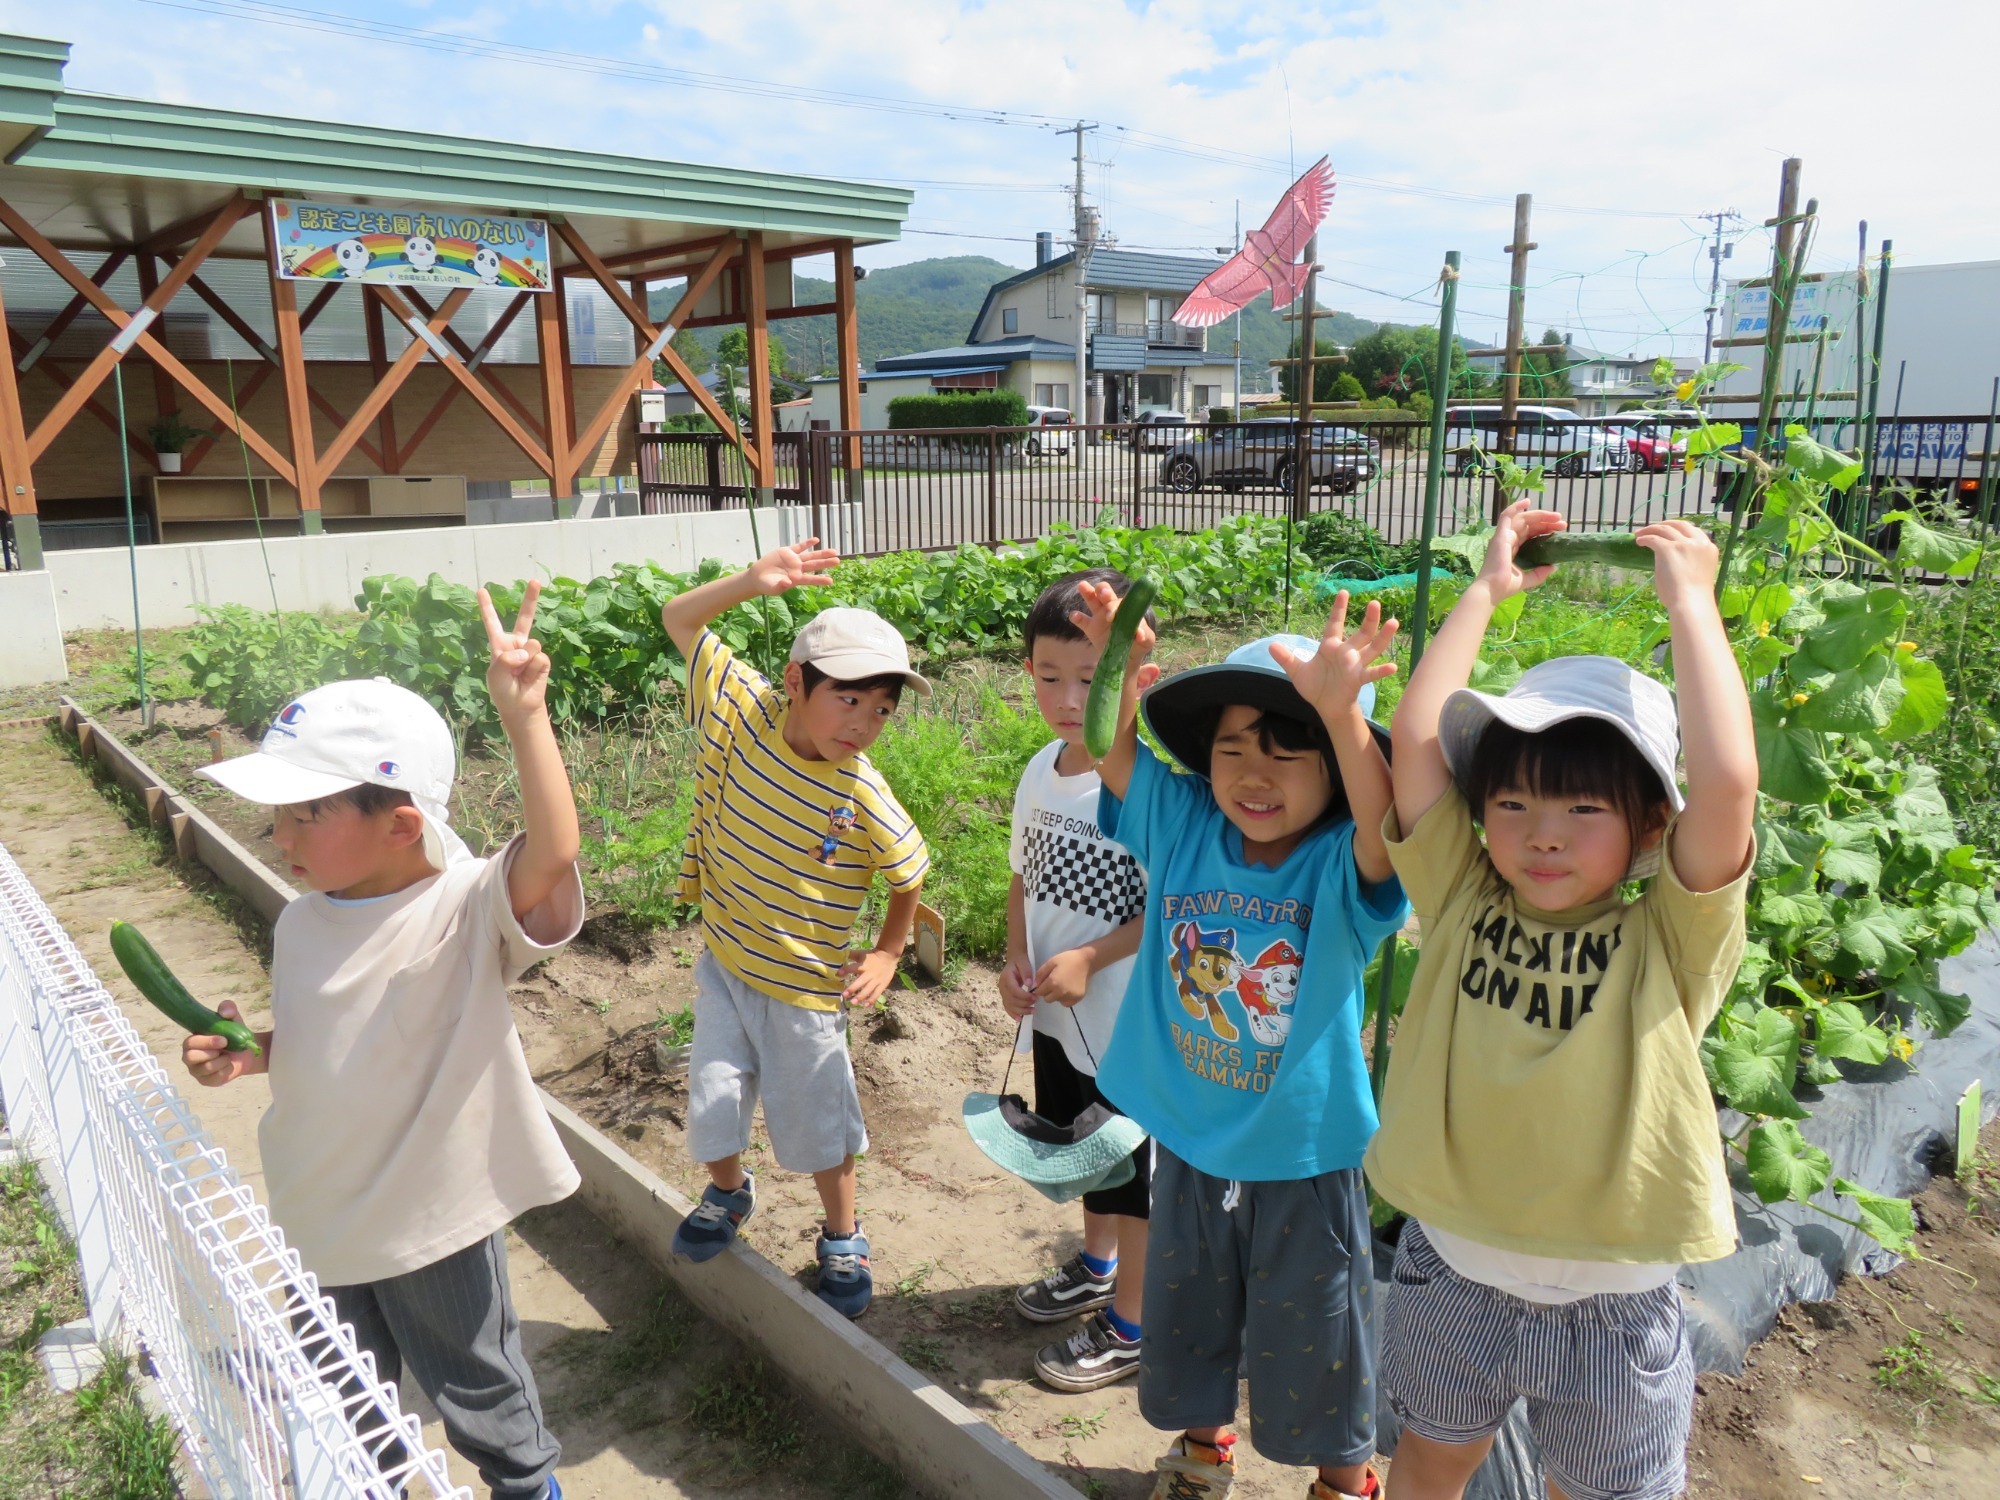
(409, 246)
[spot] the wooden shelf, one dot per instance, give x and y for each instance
(213, 504)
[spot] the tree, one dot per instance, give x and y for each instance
(1346, 388)
(1326, 372)
(689, 348)
(1546, 374)
(1397, 362)
(733, 350)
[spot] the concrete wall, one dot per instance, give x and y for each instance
(92, 588)
(34, 649)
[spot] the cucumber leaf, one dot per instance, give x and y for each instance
(1784, 1165)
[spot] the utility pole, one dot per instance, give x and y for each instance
(1236, 391)
(1085, 238)
(1717, 253)
(1517, 297)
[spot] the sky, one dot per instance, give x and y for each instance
(1626, 123)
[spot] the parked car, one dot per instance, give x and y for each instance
(1048, 431)
(1263, 451)
(1156, 426)
(1653, 439)
(1546, 435)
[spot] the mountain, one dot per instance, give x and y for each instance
(930, 304)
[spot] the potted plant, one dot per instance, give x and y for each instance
(169, 436)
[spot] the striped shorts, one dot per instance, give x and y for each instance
(1608, 1380)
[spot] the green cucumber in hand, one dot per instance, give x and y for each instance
(146, 969)
(1613, 548)
(1107, 684)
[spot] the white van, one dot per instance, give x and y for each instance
(1048, 431)
(1547, 435)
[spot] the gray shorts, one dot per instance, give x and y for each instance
(1608, 1380)
(1277, 1276)
(746, 1043)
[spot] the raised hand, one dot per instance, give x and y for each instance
(1517, 525)
(1100, 605)
(785, 568)
(1332, 677)
(1685, 561)
(517, 673)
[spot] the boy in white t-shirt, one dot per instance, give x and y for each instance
(1074, 914)
(405, 1131)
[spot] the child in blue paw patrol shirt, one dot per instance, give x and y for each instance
(1239, 1043)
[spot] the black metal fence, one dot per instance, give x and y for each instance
(934, 489)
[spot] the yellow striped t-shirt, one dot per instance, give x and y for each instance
(781, 849)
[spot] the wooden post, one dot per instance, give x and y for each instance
(17, 480)
(552, 352)
(292, 372)
(847, 360)
(1302, 390)
(378, 366)
(1780, 303)
(756, 323)
(1517, 297)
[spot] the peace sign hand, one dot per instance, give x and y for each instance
(517, 676)
(1331, 678)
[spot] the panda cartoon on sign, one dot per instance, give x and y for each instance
(486, 264)
(421, 252)
(353, 257)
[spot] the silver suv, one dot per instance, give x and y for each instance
(1547, 435)
(1263, 451)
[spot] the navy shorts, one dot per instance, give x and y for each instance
(1608, 1380)
(1275, 1277)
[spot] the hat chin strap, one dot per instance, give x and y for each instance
(442, 845)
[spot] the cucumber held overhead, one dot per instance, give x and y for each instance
(146, 969)
(1613, 548)
(1107, 684)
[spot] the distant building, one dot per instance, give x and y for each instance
(1023, 340)
(1599, 383)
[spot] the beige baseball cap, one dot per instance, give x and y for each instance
(849, 644)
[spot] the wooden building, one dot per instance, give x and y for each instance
(150, 282)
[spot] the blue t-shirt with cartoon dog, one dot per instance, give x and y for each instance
(1239, 1043)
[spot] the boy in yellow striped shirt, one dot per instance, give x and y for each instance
(791, 825)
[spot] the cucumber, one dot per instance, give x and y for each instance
(1107, 684)
(1613, 548)
(146, 969)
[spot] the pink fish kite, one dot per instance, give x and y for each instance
(1269, 255)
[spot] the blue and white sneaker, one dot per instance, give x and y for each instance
(555, 1490)
(706, 1233)
(845, 1283)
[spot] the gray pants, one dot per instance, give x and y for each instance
(453, 1324)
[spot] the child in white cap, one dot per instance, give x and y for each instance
(791, 826)
(1546, 1122)
(405, 1131)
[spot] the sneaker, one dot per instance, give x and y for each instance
(1095, 1355)
(555, 1490)
(706, 1233)
(1187, 1473)
(1371, 1489)
(845, 1283)
(1066, 1292)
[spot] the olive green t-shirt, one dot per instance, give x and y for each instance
(1546, 1094)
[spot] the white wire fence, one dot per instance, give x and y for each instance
(181, 1266)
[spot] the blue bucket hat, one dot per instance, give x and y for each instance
(1060, 1162)
(1176, 709)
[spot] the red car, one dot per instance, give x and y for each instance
(1654, 440)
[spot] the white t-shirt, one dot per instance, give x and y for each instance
(1077, 886)
(404, 1124)
(1538, 1278)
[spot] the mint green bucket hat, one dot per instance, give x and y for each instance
(1061, 1162)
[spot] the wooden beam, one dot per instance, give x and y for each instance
(176, 234)
(455, 367)
(763, 456)
(809, 310)
(690, 249)
(17, 472)
(76, 304)
(471, 355)
(549, 314)
(163, 386)
(119, 319)
(452, 392)
(292, 371)
(847, 351)
(54, 371)
(386, 387)
(192, 459)
(809, 248)
(320, 299)
(378, 364)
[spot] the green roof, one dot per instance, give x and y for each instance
(144, 143)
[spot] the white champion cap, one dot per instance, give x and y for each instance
(849, 644)
(347, 733)
(1573, 687)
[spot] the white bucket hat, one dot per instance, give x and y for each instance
(345, 734)
(1573, 687)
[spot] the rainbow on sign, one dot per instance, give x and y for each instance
(409, 246)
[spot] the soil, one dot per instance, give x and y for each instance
(1814, 1414)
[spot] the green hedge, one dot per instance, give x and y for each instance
(960, 409)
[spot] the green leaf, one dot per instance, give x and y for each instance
(1860, 700)
(1870, 941)
(1791, 759)
(1852, 855)
(1829, 466)
(1929, 550)
(1890, 1222)
(1768, 605)
(1941, 1011)
(1855, 625)
(1712, 437)
(1925, 699)
(1753, 1068)
(1784, 1165)
(1776, 909)
(1840, 1030)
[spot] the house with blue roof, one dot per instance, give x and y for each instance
(1024, 339)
